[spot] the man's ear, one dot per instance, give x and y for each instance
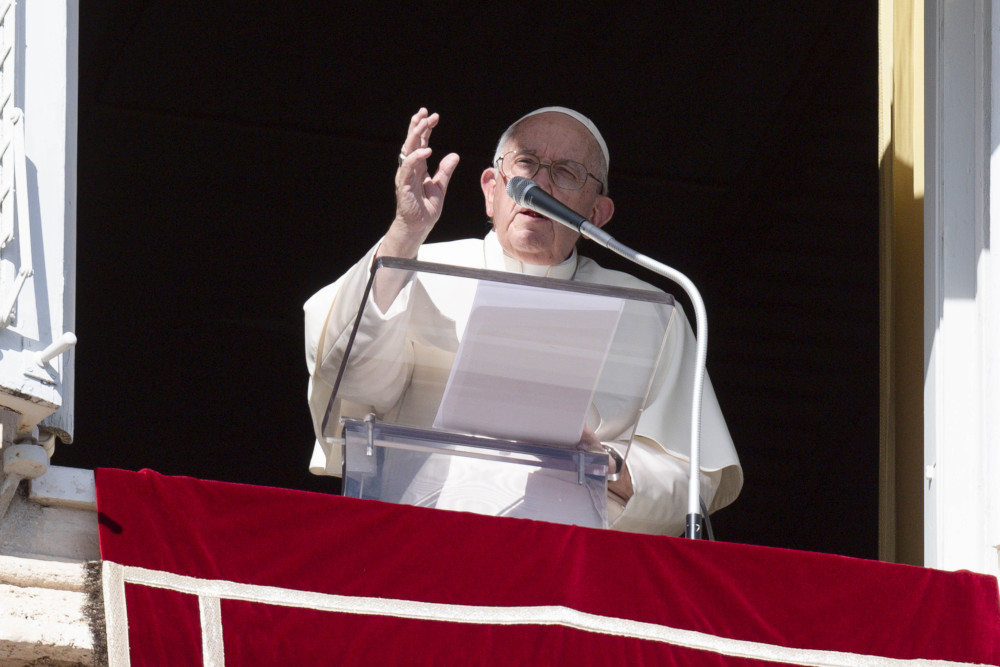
(603, 209)
(488, 181)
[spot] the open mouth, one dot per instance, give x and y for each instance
(533, 214)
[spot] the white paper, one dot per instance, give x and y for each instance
(528, 364)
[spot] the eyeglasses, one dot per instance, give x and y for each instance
(566, 174)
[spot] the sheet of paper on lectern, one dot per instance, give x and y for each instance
(528, 363)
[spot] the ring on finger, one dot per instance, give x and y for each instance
(402, 157)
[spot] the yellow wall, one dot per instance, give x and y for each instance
(901, 195)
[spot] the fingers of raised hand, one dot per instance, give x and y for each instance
(419, 133)
(420, 195)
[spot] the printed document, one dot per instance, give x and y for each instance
(528, 364)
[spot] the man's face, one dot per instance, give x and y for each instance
(524, 234)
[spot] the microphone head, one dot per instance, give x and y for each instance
(518, 186)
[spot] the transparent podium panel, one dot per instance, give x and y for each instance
(474, 474)
(490, 391)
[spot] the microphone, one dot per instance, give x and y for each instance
(528, 194)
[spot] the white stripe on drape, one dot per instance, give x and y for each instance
(216, 590)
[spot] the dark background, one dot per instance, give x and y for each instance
(236, 157)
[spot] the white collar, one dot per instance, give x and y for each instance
(497, 260)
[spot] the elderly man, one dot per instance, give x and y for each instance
(565, 154)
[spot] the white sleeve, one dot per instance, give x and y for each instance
(660, 487)
(380, 350)
(658, 459)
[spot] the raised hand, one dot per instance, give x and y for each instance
(419, 196)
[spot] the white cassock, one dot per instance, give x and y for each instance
(658, 457)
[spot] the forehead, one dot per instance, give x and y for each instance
(556, 136)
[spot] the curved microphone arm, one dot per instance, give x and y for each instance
(694, 523)
(527, 193)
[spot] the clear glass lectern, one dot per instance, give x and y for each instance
(492, 392)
